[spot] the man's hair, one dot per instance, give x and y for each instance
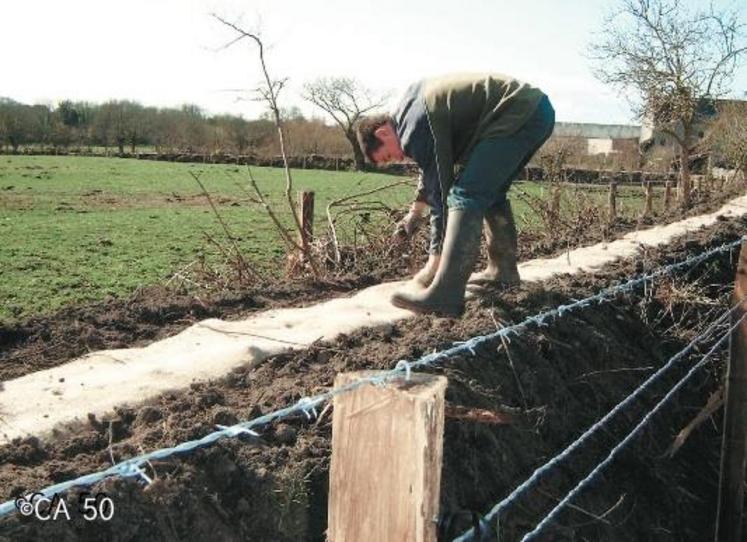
(366, 128)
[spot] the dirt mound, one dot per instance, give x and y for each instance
(558, 380)
(149, 314)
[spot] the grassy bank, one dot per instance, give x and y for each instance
(76, 229)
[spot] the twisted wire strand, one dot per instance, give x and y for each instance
(553, 514)
(540, 320)
(132, 467)
(623, 405)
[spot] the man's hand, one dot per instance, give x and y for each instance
(407, 227)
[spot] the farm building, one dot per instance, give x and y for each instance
(600, 138)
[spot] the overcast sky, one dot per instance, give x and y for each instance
(163, 52)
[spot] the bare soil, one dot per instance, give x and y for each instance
(557, 380)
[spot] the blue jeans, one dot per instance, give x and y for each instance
(496, 162)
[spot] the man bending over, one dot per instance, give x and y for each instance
(490, 124)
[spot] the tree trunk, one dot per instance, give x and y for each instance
(648, 191)
(360, 160)
(684, 188)
(708, 175)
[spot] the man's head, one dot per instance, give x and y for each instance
(378, 140)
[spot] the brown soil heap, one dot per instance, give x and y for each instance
(556, 381)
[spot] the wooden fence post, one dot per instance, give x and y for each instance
(613, 201)
(306, 215)
(734, 446)
(649, 194)
(555, 195)
(387, 448)
(668, 195)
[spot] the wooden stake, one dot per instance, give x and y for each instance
(649, 193)
(734, 447)
(387, 448)
(557, 192)
(306, 218)
(668, 195)
(613, 201)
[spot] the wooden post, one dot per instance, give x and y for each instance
(557, 192)
(613, 201)
(649, 194)
(306, 215)
(734, 446)
(387, 448)
(668, 195)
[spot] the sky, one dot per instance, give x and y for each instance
(167, 52)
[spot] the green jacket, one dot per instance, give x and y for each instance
(465, 109)
(440, 120)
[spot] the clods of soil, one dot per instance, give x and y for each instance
(556, 381)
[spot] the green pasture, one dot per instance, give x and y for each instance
(75, 229)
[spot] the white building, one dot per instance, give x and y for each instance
(601, 138)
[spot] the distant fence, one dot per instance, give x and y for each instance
(340, 163)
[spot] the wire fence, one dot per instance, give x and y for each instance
(553, 514)
(306, 406)
(538, 475)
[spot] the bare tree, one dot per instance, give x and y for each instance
(269, 92)
(674, 60)
(345, 100)
(728, 136)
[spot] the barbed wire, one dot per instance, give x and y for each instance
(133, 467)
(540, 319)
(623, 405)
(553, 514)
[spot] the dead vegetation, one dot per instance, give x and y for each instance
(356, 239)
(366, 223)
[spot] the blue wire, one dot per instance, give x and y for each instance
(553, 514)
(546, 468)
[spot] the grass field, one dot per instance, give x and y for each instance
(76, 229)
